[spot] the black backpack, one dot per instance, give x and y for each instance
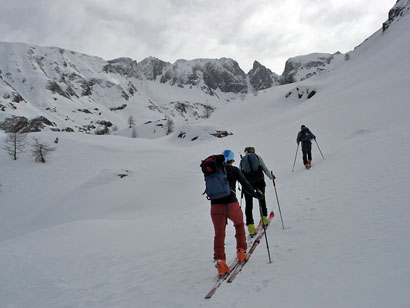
(306, 136)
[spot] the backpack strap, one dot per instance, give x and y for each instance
(249, 162)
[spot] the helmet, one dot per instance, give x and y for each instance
(228, 155)
(302, 127)
(249, 150)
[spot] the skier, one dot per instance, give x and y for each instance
(228, 207)
(305, 136)
(253, 167)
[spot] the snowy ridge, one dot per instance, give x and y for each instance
(76, 92)
(63, 90)
(303, 67)
(400, 9)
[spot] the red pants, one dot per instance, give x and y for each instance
(219, 214)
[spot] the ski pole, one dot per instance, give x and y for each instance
(277, 199)
(264, 230)
(241, 187)
(293, 169)
(241, 197)
(319, 148)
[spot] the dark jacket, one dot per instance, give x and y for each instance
(305, 136)
(234, 174)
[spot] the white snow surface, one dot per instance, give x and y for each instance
(73, 233)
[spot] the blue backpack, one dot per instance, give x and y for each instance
(216, 179)
(251, 168)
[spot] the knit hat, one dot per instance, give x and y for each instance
(228, 155)
(249, 150)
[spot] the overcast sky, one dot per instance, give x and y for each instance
(269, 31)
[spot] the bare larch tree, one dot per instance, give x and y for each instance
(15, 144)
(131, 121)
(40, 150)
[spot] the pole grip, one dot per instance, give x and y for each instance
(273, 178)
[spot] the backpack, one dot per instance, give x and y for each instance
(251, 168)
(216, 179)
(305, 136)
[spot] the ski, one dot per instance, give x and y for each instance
(235, 264)
(242, 264)
(253, 246)
(258, 227)
(220, 280)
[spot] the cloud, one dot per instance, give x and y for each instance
(269, 31)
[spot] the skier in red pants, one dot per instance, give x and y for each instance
(228, 208)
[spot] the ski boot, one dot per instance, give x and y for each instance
(223, 269)
(242, 255)
(265, 220)
(252, 230)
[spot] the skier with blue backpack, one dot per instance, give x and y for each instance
(305, 136)
(220, 181)
(253, 167)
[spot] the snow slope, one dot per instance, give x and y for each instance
(73, 233)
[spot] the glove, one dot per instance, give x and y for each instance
(273, 176)
(259, 194)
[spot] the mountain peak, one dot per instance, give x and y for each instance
(399, 10)
(261, 77)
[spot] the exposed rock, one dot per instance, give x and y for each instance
(300, 94)
(68, 129)
(14, 124)
(23, 125)
(400, 9)
(56, 89)
(221, 134)
(150, 68)
(118, 108)
(303, 67)
(224, 74)
(104, 123)
(84, 110)
(261, 77)
(122, 66)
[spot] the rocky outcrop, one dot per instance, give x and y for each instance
(150, 68)
(303, 67)
(400, 9)
(23, 125)
(223, 74)
(122, 66)
(261, 77)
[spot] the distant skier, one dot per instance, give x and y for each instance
(253, 167)
(305, 136)
(228, 207)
